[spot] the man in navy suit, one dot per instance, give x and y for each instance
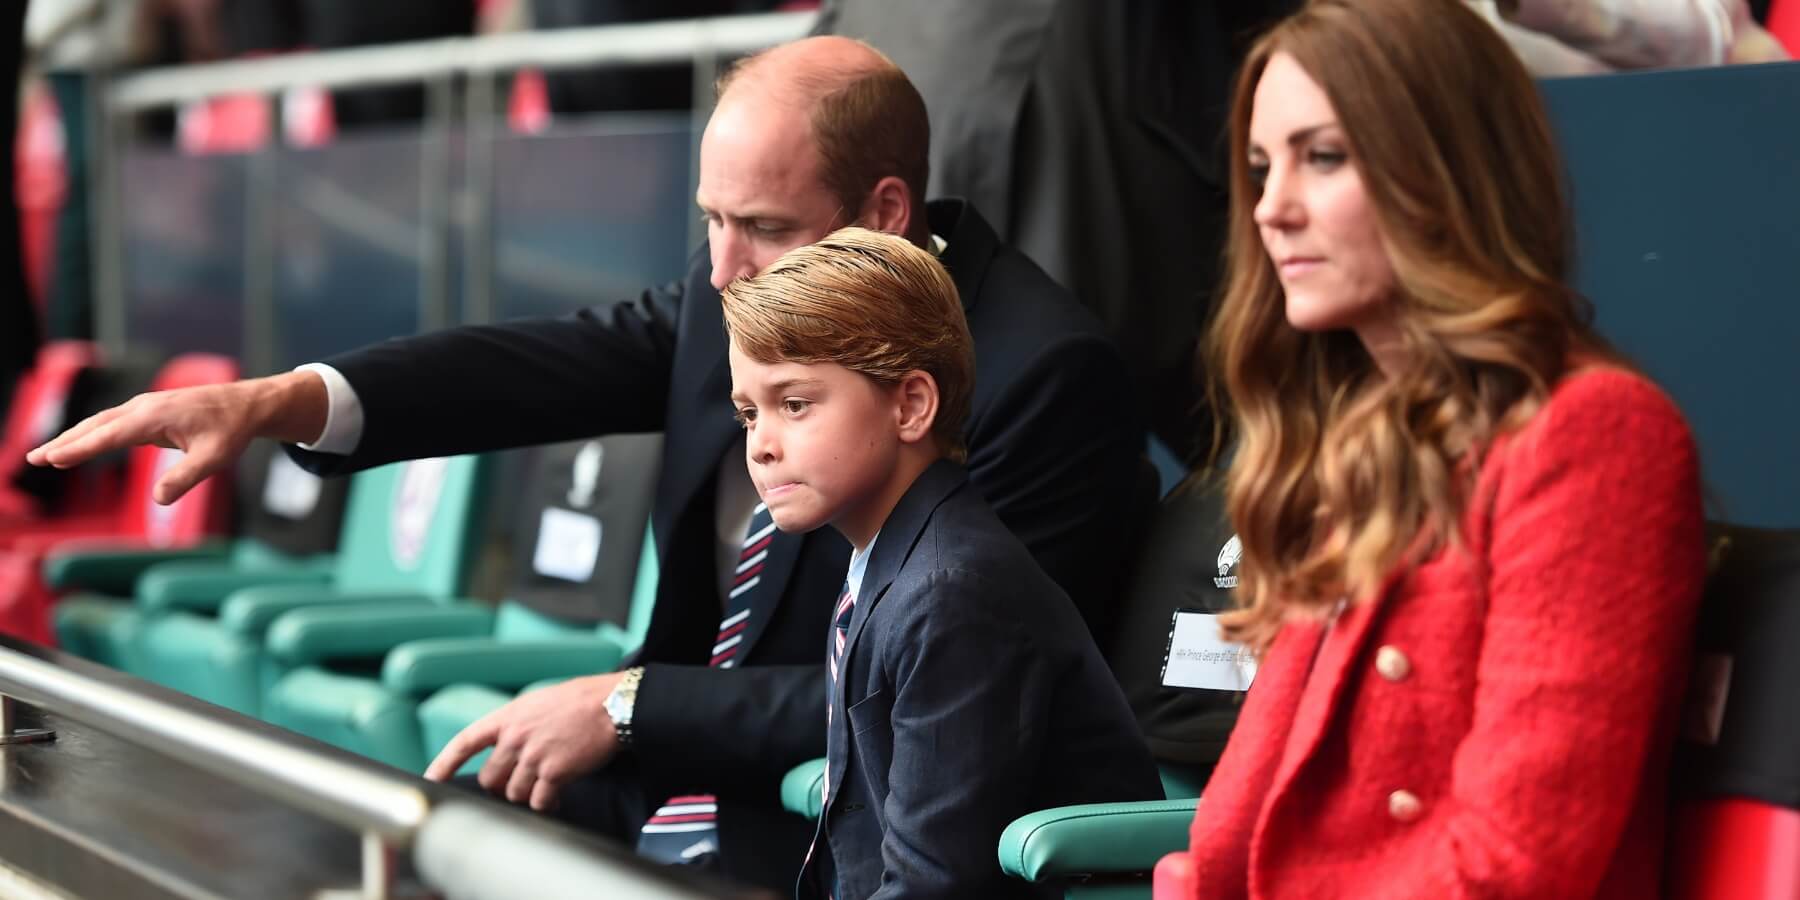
(806, 138)
(963, 688)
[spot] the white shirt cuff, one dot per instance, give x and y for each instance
(343, 413)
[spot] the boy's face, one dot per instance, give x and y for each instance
(822, 442)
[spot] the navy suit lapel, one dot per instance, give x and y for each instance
(899, 535)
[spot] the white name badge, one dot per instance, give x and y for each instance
(568, 545)
(1199, 659)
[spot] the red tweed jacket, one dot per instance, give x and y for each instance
(1498, 722)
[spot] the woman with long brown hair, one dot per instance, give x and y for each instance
(1472, 535)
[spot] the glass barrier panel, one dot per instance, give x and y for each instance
(183, 227)
(348, 229)
(592, 211)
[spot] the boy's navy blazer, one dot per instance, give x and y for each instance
(1054, 444)
(970, 694)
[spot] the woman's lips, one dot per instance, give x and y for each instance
(1299, 266)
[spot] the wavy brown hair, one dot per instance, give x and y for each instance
(1342, 473)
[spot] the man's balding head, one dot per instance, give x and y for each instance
(867, 120)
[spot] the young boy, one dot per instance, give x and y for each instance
(964, 690)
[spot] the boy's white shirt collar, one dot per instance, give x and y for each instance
(859, 566)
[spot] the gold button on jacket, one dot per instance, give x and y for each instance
(1404, 806)
(1392, 664)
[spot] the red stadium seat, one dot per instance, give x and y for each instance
(1735, 828)
(1784, 24)
(231, 123)
(528, 107)
(307, 117)
(41, 183)
(1735, 848)
(34, 416)
(136, 521)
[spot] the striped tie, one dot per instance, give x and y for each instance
(751, 558)
(840, 635)
(834, 658)
(685, 829)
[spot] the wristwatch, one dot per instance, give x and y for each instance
(622, 701)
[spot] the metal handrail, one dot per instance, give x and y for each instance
(340, 792)
(648, 43)
(553, 869)
(459, 848)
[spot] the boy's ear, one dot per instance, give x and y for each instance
(917, 407)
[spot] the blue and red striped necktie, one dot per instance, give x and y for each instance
(684, 829)
(834, 659)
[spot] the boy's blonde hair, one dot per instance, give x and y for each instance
(871, 302)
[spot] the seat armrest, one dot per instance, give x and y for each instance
(203, 586)
(419, 667)
(250, 611)
(319, 633)
(1094, 839)
(115, 570)
(800, 789)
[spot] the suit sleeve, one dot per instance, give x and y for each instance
(720, 725)
(970, 700)
(1595, 569)
(1057, 456)
(602, 370)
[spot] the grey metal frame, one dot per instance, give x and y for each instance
(459, 848)
(478, 63)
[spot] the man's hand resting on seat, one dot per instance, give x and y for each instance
(541, 740)
(211, 423)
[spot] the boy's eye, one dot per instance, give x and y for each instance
(745, 416)
(795, 407)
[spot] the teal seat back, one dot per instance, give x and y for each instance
(413, 526)
(250, 554)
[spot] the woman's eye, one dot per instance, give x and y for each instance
(795, 406)
(744, 417)
(1326, 160)
(1259, 174)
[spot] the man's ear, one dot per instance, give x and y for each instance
(888, 207)
(917, 406)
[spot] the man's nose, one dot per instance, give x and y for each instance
(730, 261)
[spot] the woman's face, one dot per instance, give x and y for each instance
(1315, 219)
